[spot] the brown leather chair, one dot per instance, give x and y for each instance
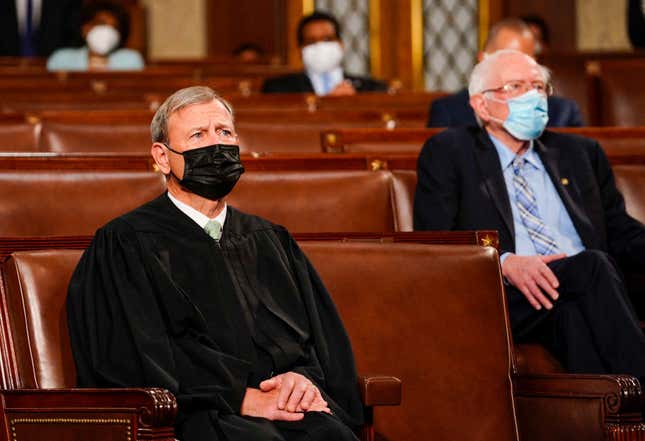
(263, 137)
(38, 373)
(311, 201)
(413, 310)
(36, 355)
(404, 183)
(19, 137)
(621, 100)
(415, 319)
(94, 138)
(630, 180)
(70, 202)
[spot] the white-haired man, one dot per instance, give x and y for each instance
(511, 33)
(561, 221)
(217, 306)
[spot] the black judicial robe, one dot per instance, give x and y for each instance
(155, 302)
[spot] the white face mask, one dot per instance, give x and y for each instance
(322, 57)
(102, 39)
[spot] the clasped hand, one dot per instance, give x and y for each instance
(532, 276)
(283, 397)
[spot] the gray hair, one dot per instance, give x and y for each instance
(177, 101)
(481, 72)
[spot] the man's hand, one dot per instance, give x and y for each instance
(261, 404)
(533, 278)
(296, 393)
(344, 88)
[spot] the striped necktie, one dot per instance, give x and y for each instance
(214, 229)
(527, 205)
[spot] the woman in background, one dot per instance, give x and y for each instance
(105, 28)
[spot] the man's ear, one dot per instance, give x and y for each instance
(478, 103)
(159, 153)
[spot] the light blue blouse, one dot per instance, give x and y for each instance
(76, 59)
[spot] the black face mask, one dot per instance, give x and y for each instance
(211, 171)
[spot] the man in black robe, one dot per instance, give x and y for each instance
(217, 306)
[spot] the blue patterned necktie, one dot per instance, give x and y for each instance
(527, 205)
(326, 82)
(214, 229)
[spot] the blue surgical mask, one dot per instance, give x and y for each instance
(527, 115)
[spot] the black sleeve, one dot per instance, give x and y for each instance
(438, 116)
(436, 199)
(122, 334)
(284, 84)
(333, 369)
(636, 23)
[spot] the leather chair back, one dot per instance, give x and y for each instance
(34, 310)
(434, 316)
(265, 137)
(630, 180)
(621, 100)
(69, 202)
(404, 183)
(318, 201)
(93, 138)
(19, 137)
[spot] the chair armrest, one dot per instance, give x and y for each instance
(380, 390)
(578, 407)
(97, 414)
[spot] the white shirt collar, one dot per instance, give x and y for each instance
(200, 218)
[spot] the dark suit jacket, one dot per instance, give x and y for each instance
(454, 110)
(636, 23)
(60, 26)
(300, 83)
(461, 187)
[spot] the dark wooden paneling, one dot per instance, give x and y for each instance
(560, 16)
(234, 22)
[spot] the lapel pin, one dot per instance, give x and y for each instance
(564, 181)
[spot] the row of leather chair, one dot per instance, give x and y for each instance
(427, 324)
(283, 132)
(76, 194)
(606, 86)
(363, 200)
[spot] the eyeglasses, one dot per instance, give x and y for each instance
(515, 88)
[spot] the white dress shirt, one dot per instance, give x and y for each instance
(200, 218)
(21, 14)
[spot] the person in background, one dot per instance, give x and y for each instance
(511, 33)
(540, 32)
(105, 29)
(322, 54)
(561, 220)
(35, 28)
(636, 23)
(249, 53)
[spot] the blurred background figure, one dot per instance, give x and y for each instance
(540, 31)
(636, 23)
(105, 28)
(35, 28)
(512, 33)
(322, 54)
(249, 53)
